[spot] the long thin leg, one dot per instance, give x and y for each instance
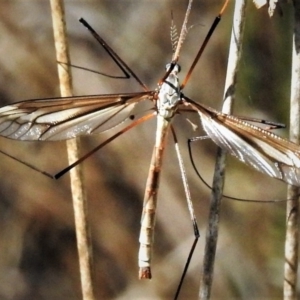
(273, 125)
(207, 38)
(27, 164)
(68, 168)
(191, 211)
(135, 123)
(116, 58)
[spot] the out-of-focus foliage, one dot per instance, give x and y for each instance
(38, 258)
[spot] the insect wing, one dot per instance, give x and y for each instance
(65, 118)
(259, 148)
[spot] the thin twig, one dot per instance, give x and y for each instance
(292, 208)
(78, 193)
(219, 174)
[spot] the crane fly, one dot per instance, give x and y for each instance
(57, 119)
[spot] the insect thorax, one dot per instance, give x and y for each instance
(169, 95)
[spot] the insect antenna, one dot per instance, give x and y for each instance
(179, 43)
(183, 33)
(173, 34)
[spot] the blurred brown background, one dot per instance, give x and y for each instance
(38, 256)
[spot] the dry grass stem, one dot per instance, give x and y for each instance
(219, 174)
(292, 208)
(78, 193)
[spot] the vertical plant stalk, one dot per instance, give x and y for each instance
(219, 175)
(76, 181)
(292, 207)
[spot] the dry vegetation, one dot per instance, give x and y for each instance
(38, 258)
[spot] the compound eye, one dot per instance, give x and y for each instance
(176, 67)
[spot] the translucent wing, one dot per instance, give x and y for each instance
(65, 118)
(261, 149)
